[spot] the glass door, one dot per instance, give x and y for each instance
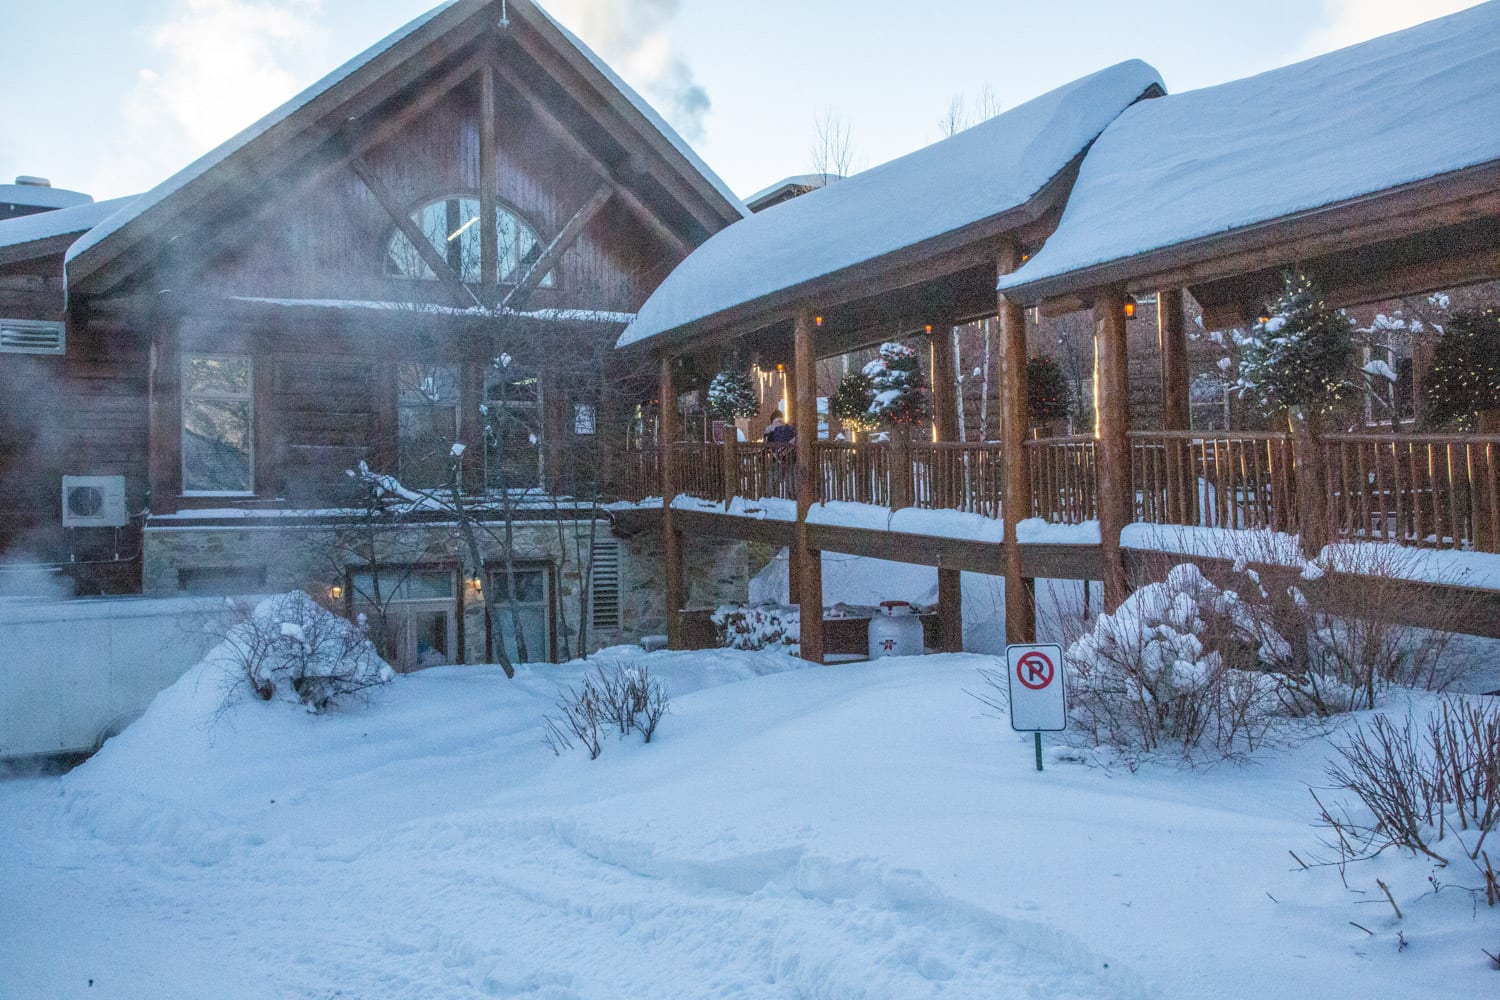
(532, 610)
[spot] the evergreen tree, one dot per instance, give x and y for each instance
(851, 401)
(1048, 397)
(900, 393)
(732, 396)
(1464, 380)
(1299, 357)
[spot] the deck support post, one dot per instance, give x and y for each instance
(671, 537)
(945, 422)
(791, 416)
(1112, 446)
(1175, 405)
(809, 561)
(1020, 591)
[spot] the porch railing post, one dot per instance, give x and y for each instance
(1112, 421)
(809, 560)
(1020, 591)
(676, 594)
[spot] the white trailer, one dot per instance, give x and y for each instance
(75, 672)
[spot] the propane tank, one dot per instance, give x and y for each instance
(895, 631)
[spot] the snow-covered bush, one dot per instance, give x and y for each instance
(1173, 667)
(732, 396)
(1420, 783)
(288, 648)
(766, 627)
(899, 391)
(625, 696)
(1299, 357)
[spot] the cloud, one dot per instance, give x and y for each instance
(633, 36)
(1353, 21)
(216, 66)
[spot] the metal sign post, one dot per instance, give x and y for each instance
(1038, 703)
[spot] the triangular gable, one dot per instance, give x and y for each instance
(113, 249)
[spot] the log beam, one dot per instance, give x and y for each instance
(543, 265)
(676, 593)
(810, 560)
(424, 247)
(1112, 447)
(1020, 590)
(489, 188)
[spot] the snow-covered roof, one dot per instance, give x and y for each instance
(1402, 108)
(41, 196)
(172, 185)
(800, 182)
(63, 222)
(967, 178)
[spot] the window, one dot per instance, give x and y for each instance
(427, 422)
(418, 606)
(532, 609)
(512, 415)
(452, 226)
(218, 402)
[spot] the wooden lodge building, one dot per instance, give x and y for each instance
(476, 235)
(437, 243)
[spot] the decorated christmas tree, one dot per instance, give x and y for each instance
(900, 393)
(732, 396)
(1463, 385)
(1298, 358)
(850, 403)
(1047, 393)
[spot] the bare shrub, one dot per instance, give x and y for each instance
(1172, 667)
(1419, 782)
(625, 696)
(289, 648)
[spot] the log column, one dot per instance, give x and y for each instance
(945, 423)
(1175, 403)
(1112, 447)
(790, 415)
(808, 560)
(671, 537)
(1020, 591)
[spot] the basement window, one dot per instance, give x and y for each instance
(453, 228)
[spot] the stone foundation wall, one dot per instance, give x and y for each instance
(275, 558)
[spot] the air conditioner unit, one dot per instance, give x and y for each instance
(94, 502)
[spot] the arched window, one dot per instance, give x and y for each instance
(452, 226)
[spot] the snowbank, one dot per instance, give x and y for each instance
(863, 831)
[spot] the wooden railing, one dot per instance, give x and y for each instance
(1063, 479)
(959, 476)
(1224, 480)
(856, 473)
(1427, 490)
(1438, 491)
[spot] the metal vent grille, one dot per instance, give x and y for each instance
(24, 336)
(604, 588)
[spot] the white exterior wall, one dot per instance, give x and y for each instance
(71, 670)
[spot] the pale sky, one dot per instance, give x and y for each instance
(113, 96)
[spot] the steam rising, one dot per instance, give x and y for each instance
(633, 37)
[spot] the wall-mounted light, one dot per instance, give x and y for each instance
(336, 592)
(476, 585)
(817, 320)
(928, 328)
(1128, 307)
(780, 367)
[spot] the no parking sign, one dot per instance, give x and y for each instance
(1037, 700)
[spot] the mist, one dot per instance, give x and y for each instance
(634, 36)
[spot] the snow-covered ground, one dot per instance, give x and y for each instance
(792, 831)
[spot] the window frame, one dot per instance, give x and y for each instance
(551, 281)
(185, 397)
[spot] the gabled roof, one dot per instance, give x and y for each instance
(40, 195)
(788, 188)
(316, 113)
(49, 233)
(980, 174)
(1188, 169)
